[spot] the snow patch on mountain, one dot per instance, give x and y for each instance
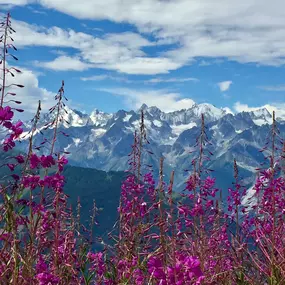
(76, 141)
(261, 117)
(157, 123)
(249, 200)
(177, 130)
(127, 118)
(98, 132)
(137, 123)
(206, 108)
(67, 147)
(248, 167)
(99, 118)
(227, 110)
(260, 122)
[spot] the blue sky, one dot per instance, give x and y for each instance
(116, 54)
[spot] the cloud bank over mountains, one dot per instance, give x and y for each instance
(163, 37)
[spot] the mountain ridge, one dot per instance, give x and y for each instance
(104, 141)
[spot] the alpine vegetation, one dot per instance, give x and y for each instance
(161, 237)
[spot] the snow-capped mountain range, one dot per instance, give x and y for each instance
(103, 141)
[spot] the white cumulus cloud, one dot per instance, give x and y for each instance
(65, 63)
(225, 85)
(277, 107)
(30, 94)
(239, 30)
(164, 100)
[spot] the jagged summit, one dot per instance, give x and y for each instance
(98, 117)
(185, 117)
(143, 107)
